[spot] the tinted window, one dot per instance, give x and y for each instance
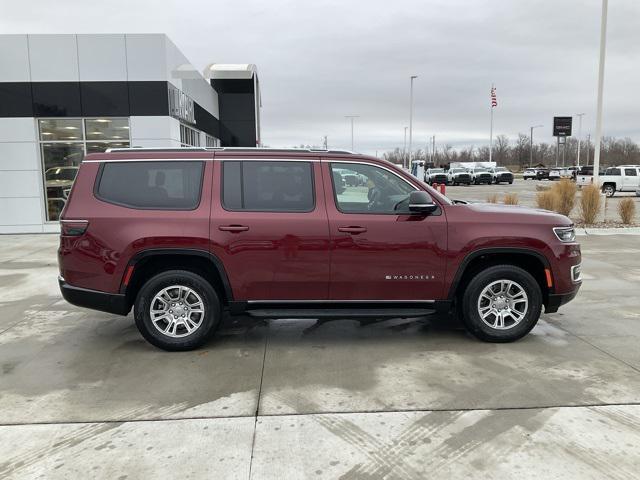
(267, 186)
(378, 191)
(612, 171)
(630, 172)
(152, 185)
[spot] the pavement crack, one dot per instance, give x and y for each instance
(255, 423)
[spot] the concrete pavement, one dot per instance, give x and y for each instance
(82, 394)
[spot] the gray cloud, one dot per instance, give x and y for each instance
(320, 61)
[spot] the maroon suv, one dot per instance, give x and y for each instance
(183, 235)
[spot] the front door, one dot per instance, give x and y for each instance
(379, 251)
(269, 228)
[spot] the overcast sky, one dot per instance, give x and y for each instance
(319, 61)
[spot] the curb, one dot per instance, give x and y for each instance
(608, 231)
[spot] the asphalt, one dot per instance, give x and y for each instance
(83, 395)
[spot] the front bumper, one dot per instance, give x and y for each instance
(556, 300)
(105, 302)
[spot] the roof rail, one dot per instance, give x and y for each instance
(225, 149)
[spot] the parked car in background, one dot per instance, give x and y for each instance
(435, 175)
(535, 173)
(184, 236)
(501, 174)
(624, 178)
(481, 175)
(584, 175)
(458, 176)
(559, 173)
(58, 181)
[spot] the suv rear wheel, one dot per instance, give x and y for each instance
(501, 304)
(177, 310)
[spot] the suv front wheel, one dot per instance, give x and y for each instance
(501, 304)
(177, 310)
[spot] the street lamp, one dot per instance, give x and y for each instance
(411, 117)
(352, 117)
(404, 148)
(603, 45)
(531, 144)
(579, 115)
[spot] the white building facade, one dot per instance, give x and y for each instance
(64, 96)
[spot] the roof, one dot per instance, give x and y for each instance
(218, 71)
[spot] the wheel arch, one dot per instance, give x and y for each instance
(147, 263)
(530, 260)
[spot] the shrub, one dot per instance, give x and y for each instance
(565, 191)
(546, 200)
(590, 203)
(493, 198)
(627, 210)
(511, 199)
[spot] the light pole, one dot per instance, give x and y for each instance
(352, 117)
(588, 147)
(579, 115)
(603, 46)
(531, 144)
(413, 77)
(404, 148)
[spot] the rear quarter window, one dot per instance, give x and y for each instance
(160, 185)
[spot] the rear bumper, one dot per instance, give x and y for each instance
(556, 300)
(105, 302)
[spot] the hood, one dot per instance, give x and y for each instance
(496, 212)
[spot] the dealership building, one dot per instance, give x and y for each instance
(64, 96)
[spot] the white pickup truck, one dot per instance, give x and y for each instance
(624, 178)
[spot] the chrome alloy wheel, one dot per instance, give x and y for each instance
(177, 311)
(503, 304)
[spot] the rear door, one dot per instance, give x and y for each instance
(630, 179)
(269, 227)
(378, 250)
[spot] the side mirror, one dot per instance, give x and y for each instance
(421, 202)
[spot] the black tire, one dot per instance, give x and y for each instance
(609, 190)
(471, 316)
(511, 182)
(209, 320)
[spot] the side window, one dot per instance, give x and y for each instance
(612, 171)
(162, 185)
(361, 188)
(267, 186)
(631, 172)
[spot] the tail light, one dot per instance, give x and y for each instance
(73, 228)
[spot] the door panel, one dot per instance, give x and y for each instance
(271, 255)
(376, 255)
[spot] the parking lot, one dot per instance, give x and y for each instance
(83, 395)
(526, 190)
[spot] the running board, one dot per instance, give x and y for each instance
(339, 312)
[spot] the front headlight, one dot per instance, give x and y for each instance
(565, 234)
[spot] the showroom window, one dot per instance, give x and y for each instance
(189, 137)
(64, 143)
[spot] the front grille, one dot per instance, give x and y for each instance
(439, 178)
(463, 177)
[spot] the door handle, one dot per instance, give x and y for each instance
(353, 229)
(233, 228)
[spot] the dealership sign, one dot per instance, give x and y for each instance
(562, 126)
(181, 106)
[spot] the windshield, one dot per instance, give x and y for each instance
(501, 169)
(481, 169)
(436, 170)
(457, 170)
(61, 174)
